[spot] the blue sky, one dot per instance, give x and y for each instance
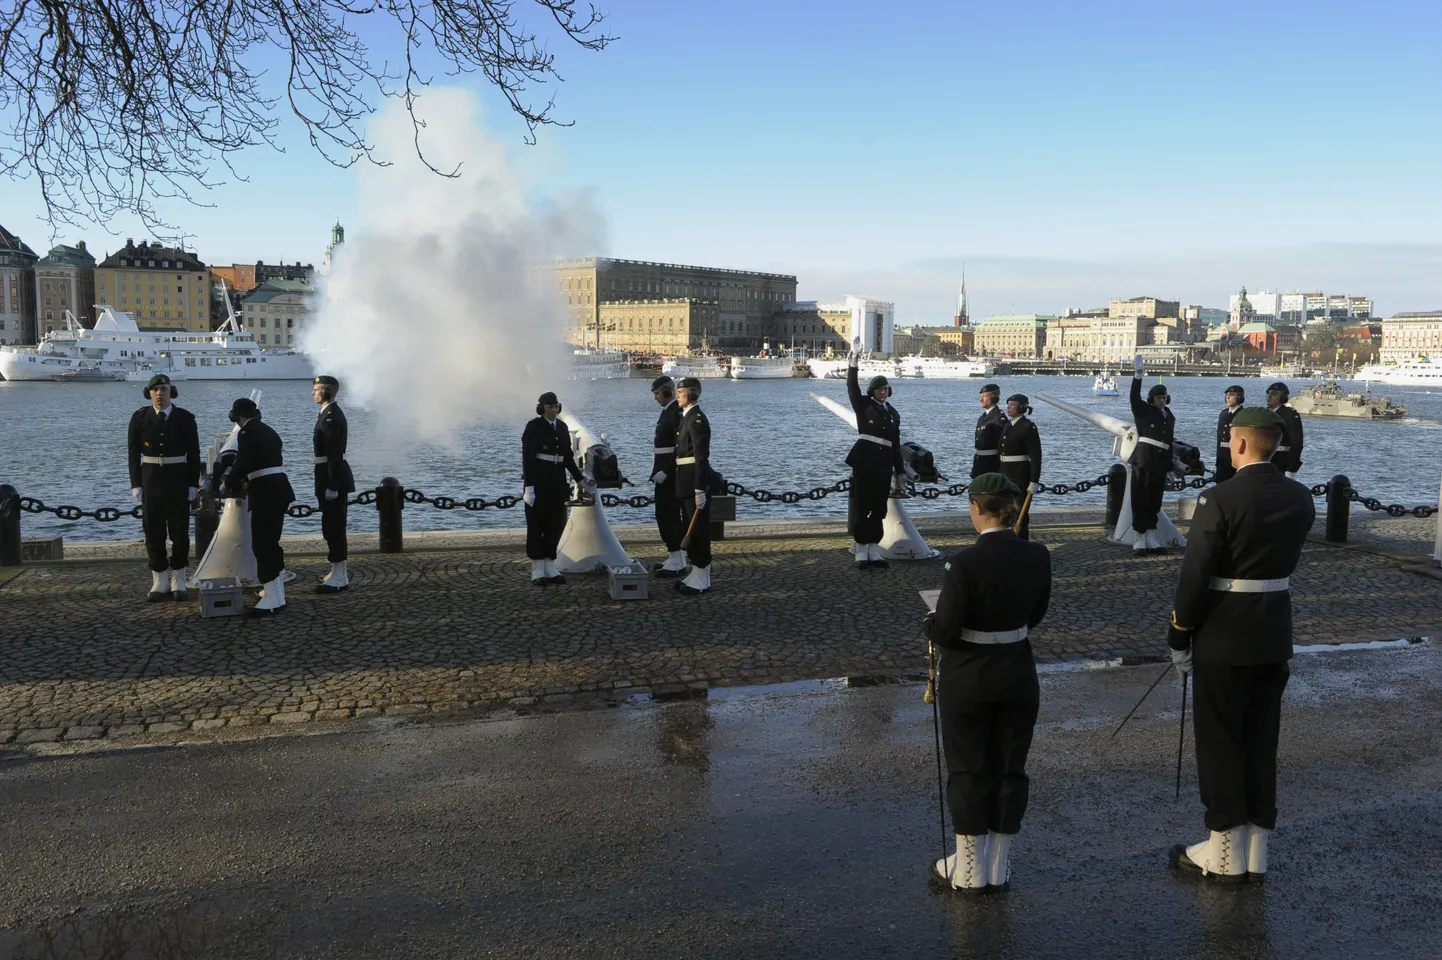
(1065, 152)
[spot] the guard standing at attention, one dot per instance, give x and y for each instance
(1020, 447)
(987, 458)
(874, 460)
(693, 485)
(258, 474)
(1288, 455)
(165, 477)
(1150, 461)
(1232, 630)
(1235, 397)
(663, 476)
(333, 480)
(546, 458)
(987, 695)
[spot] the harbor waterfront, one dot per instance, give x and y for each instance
(65, 444)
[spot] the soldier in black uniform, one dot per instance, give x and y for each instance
(993, 593)
(875, 459)
(165, 476)
(1288, 455)
(1232, 629)
(1020, 447)
(693, 484)
(1150, 461)
(663, 475)
(546, 458)
(258, 474)
(333, 480)
(987, 458)
(1235, 397)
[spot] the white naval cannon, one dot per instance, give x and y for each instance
(588, 544)
(899, 537)
(1166, 534)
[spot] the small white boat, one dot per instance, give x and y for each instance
(599, 365)
(702, 368)
(1104, 386)
(765, 366)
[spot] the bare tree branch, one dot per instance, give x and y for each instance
(117, 106)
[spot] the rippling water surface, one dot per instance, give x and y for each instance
(65, 443)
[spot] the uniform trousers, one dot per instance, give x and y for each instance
(980, 465)
(162, 517)
(1148, 486)
(332, 527)
(867, 505)
(545, 522)
(698, 550)
(1237, 711)
(668, 516)
(988, 706)
(266, 521)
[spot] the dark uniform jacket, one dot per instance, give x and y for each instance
(988, 437)
(1252, 527)
(1153, 423)
(1000, 583)
(546, 455)
(329, 441)
(1020, 439)
(258, 447)
(873, 420)
(1224, 435)
(666, 426)
(693, 442)
(176, 436)
(1290, 459)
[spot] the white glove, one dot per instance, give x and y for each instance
(135, 492)
(1036, 488)
(659, 477)
(1139, 365)
(589, 483)
(700, 499)
(907, 469)
(1182, 660)
(856, 345)
(190, 494)
(1291, 473)
(529, 496)
(332, 494)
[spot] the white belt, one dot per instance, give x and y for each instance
(264, 472)
(660, 450)
(162, 461)
(1281, 449)
(987, 453)
(319, 459)
(682, 461)
(1229, 585)
(881, 440)
(994, 636)
(1155, 443)
(551, 457)
(1008, 458)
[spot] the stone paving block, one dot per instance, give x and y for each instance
(39, 735)
(291, 718)
(125, 729)
(84, 733)
(167, 726)
(208, 724)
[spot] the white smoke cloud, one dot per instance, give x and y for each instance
(437, 284)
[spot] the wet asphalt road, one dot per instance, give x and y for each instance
(797, 823)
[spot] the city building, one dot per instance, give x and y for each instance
(1149, 308)
(278, 312)
(815, 327)
(166, 288)
(1118, 339)
(962, 317)
(1359, 308)
(672, 327)
(17, 290)
(911, 341)
(64, 280)
(1069, 337)
(1022, 336)
(1239, 310)
(747, 301)
(1263, 306)
(337, 240)
(1260, 336)
(1294, 308)
(1406, 336)
(1315, 305)
(245, 277)
(1337, 307)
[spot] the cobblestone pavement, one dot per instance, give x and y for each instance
(82, 655)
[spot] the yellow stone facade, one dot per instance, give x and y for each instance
(669, 327)
(165, 289)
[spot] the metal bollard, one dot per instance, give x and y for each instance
(9, 526)
(390, 501)
(1339, 505)
(1116, 490)
(207, 520)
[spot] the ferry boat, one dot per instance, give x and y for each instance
(88, 373)
(1104, 386)
(700, 367)
(117, 346)
(942, 368)
(1416, 372)
(866, 369)
(765, 366)
(1282, 371)
(599, 365)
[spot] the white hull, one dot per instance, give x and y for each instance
(599, 365)
(702, 368)
(836, 369)
(939, 368)
(1413, 373)
(761, 368)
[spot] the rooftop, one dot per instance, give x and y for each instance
(271, 289)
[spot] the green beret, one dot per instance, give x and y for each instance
(1157, 390)
(994, 483)
(1280, 386)
(662, 383)
(325, 381)
(160, 379)
(991, 388)
(1259, 417)
(876, 383)
(1237, 389)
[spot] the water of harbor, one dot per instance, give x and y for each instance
(66, 443)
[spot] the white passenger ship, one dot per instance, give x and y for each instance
(836, 369)
(766, 366)
(117, 346)
(1417, 372)
(942, 368)
(599, 365)
(702, 368)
